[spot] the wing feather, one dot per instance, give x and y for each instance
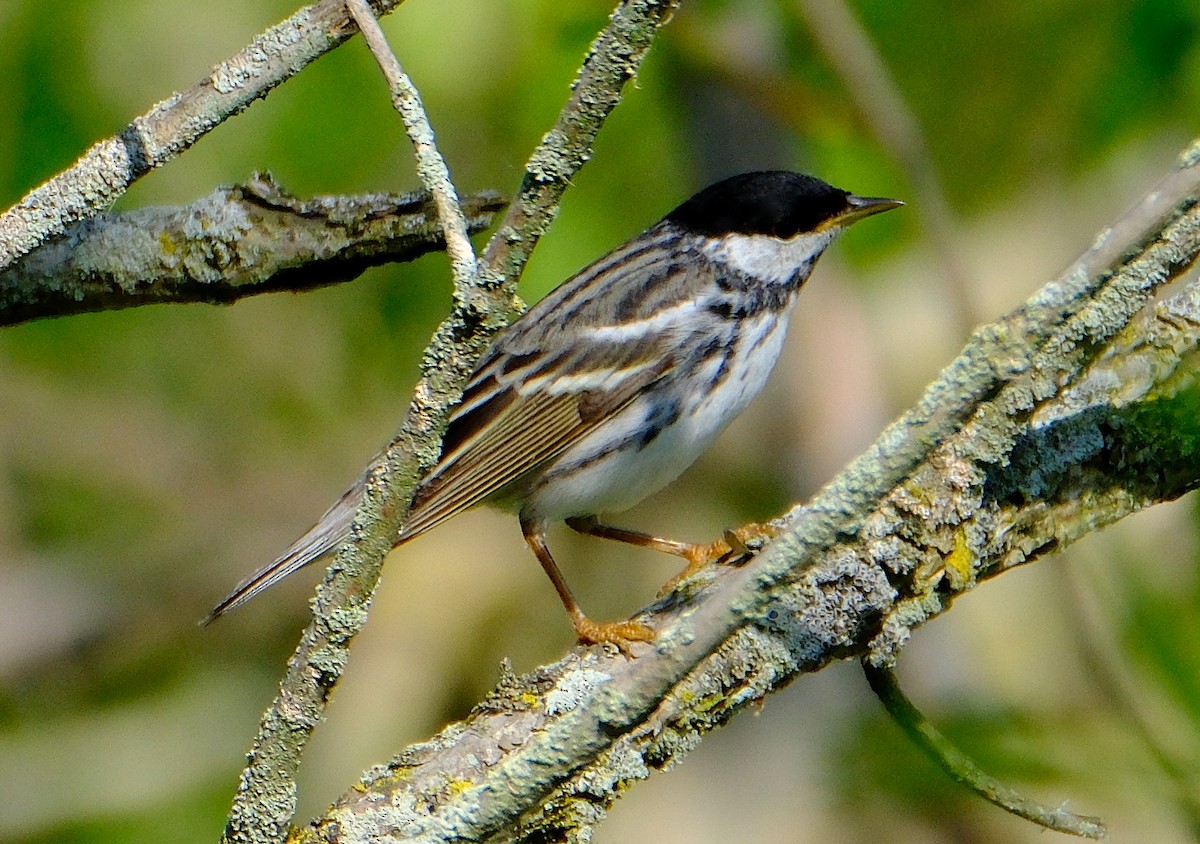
(575, 359)
(530, 430)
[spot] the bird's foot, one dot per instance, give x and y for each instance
(620, 633)
(734, 545)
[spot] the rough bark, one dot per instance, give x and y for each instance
(237, 241)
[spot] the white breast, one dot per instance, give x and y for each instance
(708, 403)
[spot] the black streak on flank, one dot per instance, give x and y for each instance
(714, 346)
(723, 309)
(661, 417)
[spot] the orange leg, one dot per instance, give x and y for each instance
(697, 556)
(619, 633)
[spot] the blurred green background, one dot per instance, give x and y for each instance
(150, 458)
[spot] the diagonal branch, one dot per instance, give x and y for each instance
(431, 166)
(1071, 412)
(266, 797)
(235, 242)
(105, 172)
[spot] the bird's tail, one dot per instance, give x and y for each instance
(320, 539)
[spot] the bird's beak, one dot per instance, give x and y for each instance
(858, 207)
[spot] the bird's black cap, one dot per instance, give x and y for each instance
(774, 202)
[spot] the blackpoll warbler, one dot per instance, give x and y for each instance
(612, 385)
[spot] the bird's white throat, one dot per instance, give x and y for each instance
(768, 258)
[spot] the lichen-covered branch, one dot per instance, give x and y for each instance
(266, 799)
(237, 241)
(1067, 414)
(106, 171)
(431, 166)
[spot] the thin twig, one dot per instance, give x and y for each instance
(103, 173)
(962, 768)
(431, 166)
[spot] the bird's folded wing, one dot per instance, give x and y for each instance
(514, 418)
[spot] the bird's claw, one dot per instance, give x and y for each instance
(622, 634)
(735, 545)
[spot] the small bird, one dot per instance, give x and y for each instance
(612, 385)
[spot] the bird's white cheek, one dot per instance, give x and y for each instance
(769, 258)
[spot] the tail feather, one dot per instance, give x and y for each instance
(323, 537)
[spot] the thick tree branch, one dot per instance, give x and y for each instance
(265, 800)
(1064, 416)
(237, 241)
(106, 171)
